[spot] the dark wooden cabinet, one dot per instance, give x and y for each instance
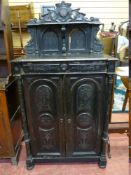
(6, 46)
(65, 111)
(65, 89)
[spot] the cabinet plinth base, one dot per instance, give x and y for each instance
(102, 162)
(30, 165)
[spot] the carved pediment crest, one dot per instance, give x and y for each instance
(63, 13)
(63, 9)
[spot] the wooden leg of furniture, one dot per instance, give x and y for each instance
(125, 101)
(102, 162)
(15, 159)
(29, 163)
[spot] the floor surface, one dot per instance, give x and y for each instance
(117, 165)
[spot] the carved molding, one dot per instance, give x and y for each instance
(47, 139)
(45, 68)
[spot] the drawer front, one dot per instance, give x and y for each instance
(61, 67)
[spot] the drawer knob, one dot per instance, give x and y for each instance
(69, 121)
(64, 67)
(61, 120)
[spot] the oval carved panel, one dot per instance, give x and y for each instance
(46, 121)
(84, 120)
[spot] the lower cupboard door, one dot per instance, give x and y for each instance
(84, 119)
(43, 100)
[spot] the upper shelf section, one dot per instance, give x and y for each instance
(63, 30)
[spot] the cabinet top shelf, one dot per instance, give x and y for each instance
(65, 57)
(63, 30)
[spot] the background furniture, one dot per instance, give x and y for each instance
(108, 41)
(10, 127)
(123, 72)
(65, 88)
(121, 127)
(20, 15)
(24, 12)
(129, 28)
(10, 124)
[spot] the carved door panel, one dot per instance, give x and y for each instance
(45, 115)
(84, 103)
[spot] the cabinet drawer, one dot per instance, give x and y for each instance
(61, 67)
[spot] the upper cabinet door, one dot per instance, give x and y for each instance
(49, 40)
(78, 38)
(43, 96)
(84, 103)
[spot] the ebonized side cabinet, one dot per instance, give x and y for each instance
(10, 124)
(65, 88)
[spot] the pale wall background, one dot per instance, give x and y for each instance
(109, 11)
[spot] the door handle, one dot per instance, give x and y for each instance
(61, 120)
(69, 121)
